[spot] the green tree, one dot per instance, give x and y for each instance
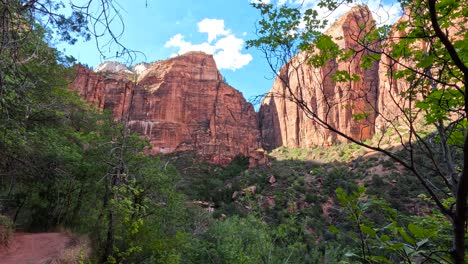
(427, 52)
(399, 240)
(27, 25)
(236, 240)
(64, 163)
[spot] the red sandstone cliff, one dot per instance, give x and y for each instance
(383, 98)
(283, 123)
(393, 99)
(179, 104)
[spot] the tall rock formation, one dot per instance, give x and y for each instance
(391, 103)
(179, 104)
(394, 93)
(283, 123)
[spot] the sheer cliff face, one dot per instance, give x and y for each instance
(178, 104)
(390, 103)
(283, 123)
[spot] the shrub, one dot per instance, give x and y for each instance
(311, 198)
(236, 240)
(6, 230)
(389, 164)
(78, 251)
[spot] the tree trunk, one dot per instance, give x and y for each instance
(109, 242)
(459, 218)
(109, 246)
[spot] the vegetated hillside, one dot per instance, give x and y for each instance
(356, 81)
(296, 195)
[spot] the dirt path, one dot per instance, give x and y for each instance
(28, 248)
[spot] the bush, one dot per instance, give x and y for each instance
(234, 240)
(311, 198)
(6, 230)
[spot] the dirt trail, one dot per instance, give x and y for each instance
(29, 248)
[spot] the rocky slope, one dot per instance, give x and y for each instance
(283, 123)
(179, 104)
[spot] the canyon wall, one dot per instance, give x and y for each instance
(183, 104)
(379, 101)
(284, 123)
(392, 106)
(178, 104)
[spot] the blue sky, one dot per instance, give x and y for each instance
(163, 28)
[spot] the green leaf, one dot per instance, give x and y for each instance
(416, 231)
(422, 105)
(396, 246)
(368, 230)
(360, 116)
(408, 249)
(333, 229)
(384, 238)
(422, 242)
(380, 259)
(456, 137)
(361, 189)
(406, 237)
(426, 62)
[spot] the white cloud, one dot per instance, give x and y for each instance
(224, 45)
(213, 27)
(229, 55)
(185, 46)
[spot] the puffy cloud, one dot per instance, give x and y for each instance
(225, 46)
(186, 46)
(213, 27)
(229, 55)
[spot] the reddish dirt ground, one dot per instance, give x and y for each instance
(29, 248)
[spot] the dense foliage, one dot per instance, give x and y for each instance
(64, 165)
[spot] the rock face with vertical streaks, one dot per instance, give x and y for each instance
(179, 104)
(394, 100)
(283, 123)
(391, 103)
